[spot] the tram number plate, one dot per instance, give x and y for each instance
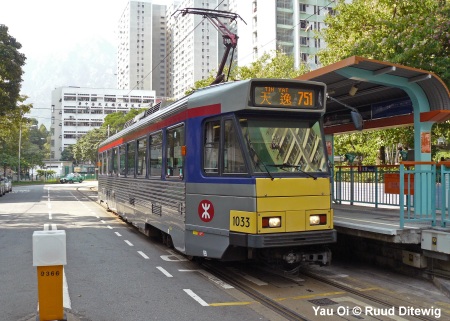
(243, 221)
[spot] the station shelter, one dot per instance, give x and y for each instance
(390, 95)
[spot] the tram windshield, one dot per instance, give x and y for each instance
(282, 145)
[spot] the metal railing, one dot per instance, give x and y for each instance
(364, 185)
(445, 193)
(395, 185)
(418, 177)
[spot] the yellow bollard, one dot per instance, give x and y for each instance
(49, 256)
(50, 292)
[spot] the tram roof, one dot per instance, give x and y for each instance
(376, 84)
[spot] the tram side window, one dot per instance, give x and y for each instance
(141, 170)
(211, 147)
(233, 160)
(131, 154)
(156, 154)
(122, 160)
(113, 162)
(104, 164)
(174, 157)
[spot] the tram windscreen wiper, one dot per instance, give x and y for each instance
(258, 161)
(287, 165)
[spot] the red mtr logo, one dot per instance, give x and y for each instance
(206, 211)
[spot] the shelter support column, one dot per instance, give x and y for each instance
(422, 153)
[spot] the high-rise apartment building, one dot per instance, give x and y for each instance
(287, 25)
(75, 111)
(194, 45)
(142, 47)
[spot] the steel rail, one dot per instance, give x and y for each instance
(267, 302)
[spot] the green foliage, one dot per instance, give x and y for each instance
(12, 124)
(366, 145)
(45, 173)
(271, 65)
(86, 148)
(116, 121)
(11, 62)
(409, 32)
(67, 154)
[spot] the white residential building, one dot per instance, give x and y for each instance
(287, 25)
(142, 47)
(75, 111)
(194, 45)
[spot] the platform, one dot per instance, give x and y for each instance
(378, 223)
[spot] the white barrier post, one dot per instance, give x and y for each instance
(49, 256)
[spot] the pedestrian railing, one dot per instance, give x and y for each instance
(445, 193)
(364, 185)
(396, 185)
(418, 177)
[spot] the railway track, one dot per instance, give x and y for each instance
(285, 313)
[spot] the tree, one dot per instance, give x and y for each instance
(13, 125)
(86, 148)
(116, 121)
(11, 62)
(408, 32)
(67, 154)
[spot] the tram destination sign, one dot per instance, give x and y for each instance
(284, 96)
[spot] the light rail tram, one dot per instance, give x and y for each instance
(234, 171)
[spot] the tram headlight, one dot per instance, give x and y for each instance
(320, 219)
(271, 222)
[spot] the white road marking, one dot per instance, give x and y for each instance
(164, 272)
(173, 257)
(118, 234)
(50, 215)
(196, 297)
(102, 221)
(129, 243)
(66, 298)
(54, 227)
(216, 280)
(212, 278)
(143, 255)
(110, 227)
(46, 227)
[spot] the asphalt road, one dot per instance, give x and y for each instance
(113, 272)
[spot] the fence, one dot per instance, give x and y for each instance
(395, 185)
(364, 184)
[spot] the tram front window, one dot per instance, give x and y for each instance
(282, 145)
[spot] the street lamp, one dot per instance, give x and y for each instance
(20, 147)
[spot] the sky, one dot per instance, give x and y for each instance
(50, 28)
